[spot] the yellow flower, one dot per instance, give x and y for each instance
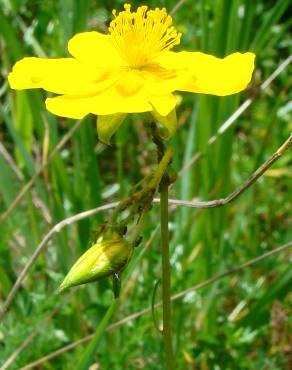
(130, 70)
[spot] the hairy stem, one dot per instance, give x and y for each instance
(166, 303)
(145, 196)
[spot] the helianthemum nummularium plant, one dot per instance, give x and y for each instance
(130, 70)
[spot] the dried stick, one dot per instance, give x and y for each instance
(175, 297)
(9, 160)
(36, 201)
(223, 201)
(177, 6)
(31, 182)
(80, 216)
(43, 244)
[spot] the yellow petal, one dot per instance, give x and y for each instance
(105, 103)
(95, 49)
(61, 76)
(125, 96)
(67, 106)
(130, 83)
(164, 104)
(211, 75)
(162, 81)
(108, 125)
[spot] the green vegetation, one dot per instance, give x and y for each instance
(240, 322)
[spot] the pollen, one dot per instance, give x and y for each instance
(142, 35)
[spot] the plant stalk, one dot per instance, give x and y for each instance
(145, 195)
(166, 270)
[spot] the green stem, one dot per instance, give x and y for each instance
(161, 168)
(147, 193)
(166, 291)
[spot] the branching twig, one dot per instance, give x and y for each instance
(175, 297)
(31, 182)
(177, 6)
(43, 244)
(223, 201)
(36, 200)
(68, 221)
(9, 160)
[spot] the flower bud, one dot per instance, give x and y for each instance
(109, 255)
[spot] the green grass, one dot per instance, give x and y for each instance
(208, 333)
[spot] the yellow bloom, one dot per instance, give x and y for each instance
(130, 70)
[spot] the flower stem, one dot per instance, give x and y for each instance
(145, 196)
(166, 291)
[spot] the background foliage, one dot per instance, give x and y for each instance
(241, 322)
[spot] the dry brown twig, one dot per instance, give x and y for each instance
(177, 6)
(31, 182)
(246, 184)
(43, 244)
(68, 221)
(36, 200)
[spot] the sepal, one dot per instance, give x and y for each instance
(107, 125)
(169, 122)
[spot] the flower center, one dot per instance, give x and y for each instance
(142, 35)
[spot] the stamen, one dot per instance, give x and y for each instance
(142, 35)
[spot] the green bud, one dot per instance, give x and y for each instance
(109, 255)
